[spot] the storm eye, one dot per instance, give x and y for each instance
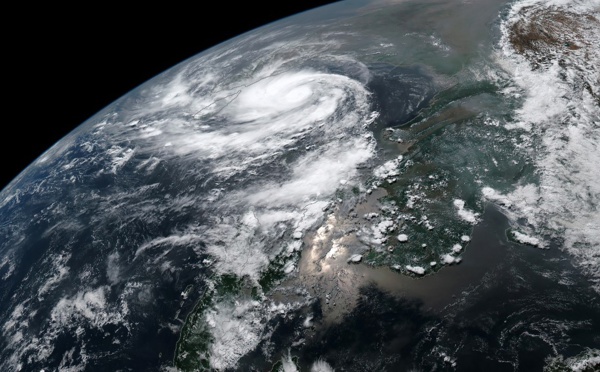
(375, 185)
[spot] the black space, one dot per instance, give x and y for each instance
(64, 64)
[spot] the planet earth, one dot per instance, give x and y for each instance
(373, 185)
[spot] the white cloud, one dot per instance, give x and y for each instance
(464, 213)
(321, 366)
(564, 119)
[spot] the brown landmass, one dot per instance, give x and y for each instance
(546, 34)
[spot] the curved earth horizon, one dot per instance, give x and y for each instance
(370, 185)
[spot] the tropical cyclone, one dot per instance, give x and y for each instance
(260, 186)
(309, 130)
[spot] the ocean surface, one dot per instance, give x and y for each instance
(382, 185)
